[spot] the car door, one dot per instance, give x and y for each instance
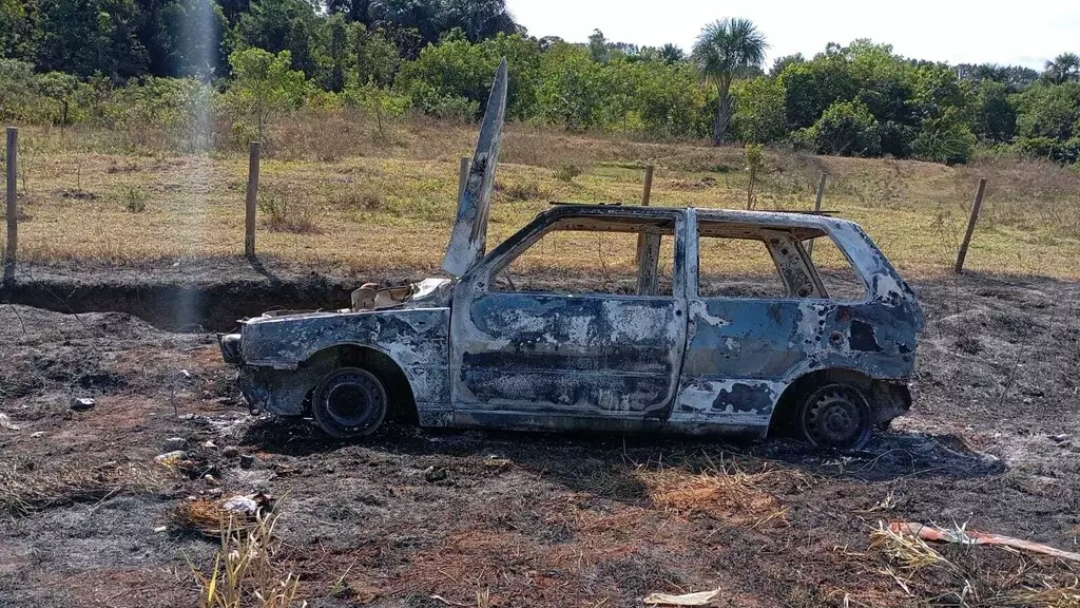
(749, 295)
(555, 348)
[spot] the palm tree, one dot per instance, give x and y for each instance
(724, 50)
(1062, 68)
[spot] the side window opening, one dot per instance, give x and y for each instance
(837, 275)
(737, 267)
(581, 259)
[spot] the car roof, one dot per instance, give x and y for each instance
(811, 223)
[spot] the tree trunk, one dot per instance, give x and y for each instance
(723, 114)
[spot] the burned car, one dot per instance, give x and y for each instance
(670, 346)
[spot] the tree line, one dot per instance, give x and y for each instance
(66, 61)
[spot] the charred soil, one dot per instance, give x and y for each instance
(507, 519)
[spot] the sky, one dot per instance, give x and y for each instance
(957, 31)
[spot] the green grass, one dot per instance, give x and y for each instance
(388, 202)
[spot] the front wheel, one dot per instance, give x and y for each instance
(836, 416)
(349, 402)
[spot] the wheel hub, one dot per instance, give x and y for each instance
(837, 418)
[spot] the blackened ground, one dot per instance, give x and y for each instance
(530, 519)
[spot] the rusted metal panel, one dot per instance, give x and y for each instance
(416, 339)
(469, 236)
(605, 356)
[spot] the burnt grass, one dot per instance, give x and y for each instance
(513, 519)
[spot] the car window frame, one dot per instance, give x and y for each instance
(505, 254)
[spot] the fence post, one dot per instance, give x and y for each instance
(817, 207)
(970, 227)
(648, 246)
(12, 209)
(252, 197)
(648, 186)
(463, 176)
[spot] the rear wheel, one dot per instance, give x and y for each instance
(836, 416)
(349, 402)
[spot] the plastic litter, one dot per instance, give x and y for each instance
(700, 598)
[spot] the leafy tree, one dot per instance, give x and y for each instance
(478, 19)
(286, 25)
(459, 69)
(572, 87)
(847, 129)
(264, 84)
(1048, 120)
(190, 39)
(945, 139)
(760, 115)
(59, 87)
(376, 56)
(1063, 68)
(781, 63)
(725, 50)
(995, 117)
(19, 29)
(16, 93)
(598, 46)
(669, 53)
(91, 36)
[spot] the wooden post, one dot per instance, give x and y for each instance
(648, 186)
(648, 247)
(817, 207)
(463, 176)
(252, 197)
(970, 227)
(12, 209)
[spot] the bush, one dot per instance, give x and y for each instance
(567, 172)
(846, 129)
(284, 212)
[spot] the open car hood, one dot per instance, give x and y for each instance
(468, 239)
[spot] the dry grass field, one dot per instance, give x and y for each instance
(334, 190)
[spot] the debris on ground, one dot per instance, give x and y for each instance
(6, 422)
(81, 404)
(210, 516)
(247, 461)
(968, 537)
(700, 598)
(170, 459)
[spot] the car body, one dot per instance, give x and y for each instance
(468, 351)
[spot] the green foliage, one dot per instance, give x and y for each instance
(19, 28)
(91, 36)
(381, 103)
(572, 87)
(264, 84)
(759, 110)
(848, 129)
(946, 139)
(995, 117)
(1048, 120)
(725, 50)
(287, 25)
(16, 90)
(458, 69)
(567, 172)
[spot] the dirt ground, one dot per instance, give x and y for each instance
(420, 518)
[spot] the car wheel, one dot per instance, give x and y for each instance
(349, 402)
(836, 416)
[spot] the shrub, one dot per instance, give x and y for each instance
(847, 129)
(567, 172)
(285, 212)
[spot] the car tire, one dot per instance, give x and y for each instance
(349, 402)
(835, 416)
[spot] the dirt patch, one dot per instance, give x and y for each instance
(508, 519)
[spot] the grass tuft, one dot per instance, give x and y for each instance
(245, 572)
(26, 489)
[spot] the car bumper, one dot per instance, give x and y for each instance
(230, 349)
